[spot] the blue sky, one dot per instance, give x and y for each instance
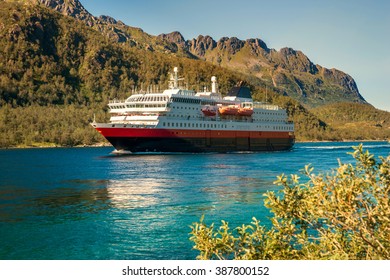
(351, 35)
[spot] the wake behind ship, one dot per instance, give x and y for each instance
(182, 120)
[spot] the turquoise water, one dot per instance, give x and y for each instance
(85, 203)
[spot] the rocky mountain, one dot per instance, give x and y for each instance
(70, 8)
(287, 71)
(57, 71)
(115, 30)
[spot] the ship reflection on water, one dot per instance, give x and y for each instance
(78, 198)
(180, 184)
(128, 194)
(97, 195)
(75, 204)
(70, 202)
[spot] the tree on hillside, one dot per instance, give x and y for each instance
(342, 215)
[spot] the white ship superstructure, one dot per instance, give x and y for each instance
(183, 120)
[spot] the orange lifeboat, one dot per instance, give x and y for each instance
(209, 111)
(245, 112)
(228, 110)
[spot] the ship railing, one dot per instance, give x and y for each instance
(207, 119)
(265, 106)
(116, 101)
(140, 110)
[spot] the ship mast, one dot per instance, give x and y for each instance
(175, 78)
(214, 85)
(174, 81)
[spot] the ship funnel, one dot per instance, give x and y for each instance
(214, 84)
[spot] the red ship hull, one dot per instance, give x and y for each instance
(194, 141)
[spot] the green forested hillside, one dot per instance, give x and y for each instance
(52, 125)
(355, 121)
(287, 71)
(56, 73)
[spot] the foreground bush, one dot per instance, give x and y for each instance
(342, 215)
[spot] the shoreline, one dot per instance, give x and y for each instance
(53, 146)
(104, 144)
(342, 141)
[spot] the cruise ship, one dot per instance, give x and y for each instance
(185, 121)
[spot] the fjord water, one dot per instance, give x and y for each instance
(85, 203)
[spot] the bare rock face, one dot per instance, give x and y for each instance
(71, 8)
(231, 45)
(173, 42)
(257, 46)
(293, 72)
(296, 60)
(201, 45)
(173, 37)
(104, 24)
(340, 78)
(108, 19)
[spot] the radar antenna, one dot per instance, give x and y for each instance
(174, 81)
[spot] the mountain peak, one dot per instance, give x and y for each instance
(71, 8)
(173, 37)
(232, 45)
(201, 45)
(293, 59)
(287, 71)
